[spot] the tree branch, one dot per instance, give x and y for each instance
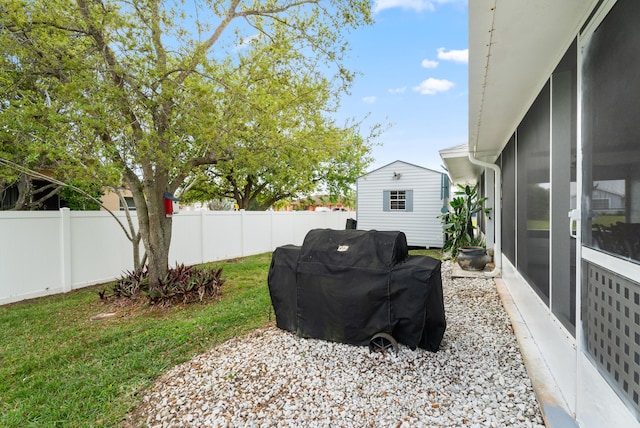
(276, 10)
(31, 173)
(230, 15)
(118, 77)
(204, 47)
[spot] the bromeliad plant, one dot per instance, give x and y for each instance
(182, 284)
(187, 284)
(458, 222)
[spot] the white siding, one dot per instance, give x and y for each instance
(422, 226)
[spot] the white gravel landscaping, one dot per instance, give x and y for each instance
(273, 378)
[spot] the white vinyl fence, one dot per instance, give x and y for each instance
(51, 252)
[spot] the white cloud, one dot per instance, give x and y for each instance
(415, 5)
(461, 56)
(432, 86)
(369, 100)
(398, 90)
(427, 63)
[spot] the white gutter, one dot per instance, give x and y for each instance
(497, 218)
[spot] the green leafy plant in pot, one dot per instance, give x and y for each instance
(461, 239)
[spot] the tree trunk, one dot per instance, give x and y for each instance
(24, 193)
(159, 237)
(134, 235)
(3, 189)
(154, 226)
(138, 262)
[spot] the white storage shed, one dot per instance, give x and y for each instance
(405, 197)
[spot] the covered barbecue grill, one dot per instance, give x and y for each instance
(358, 287)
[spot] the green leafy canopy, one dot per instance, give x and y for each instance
(157, 91)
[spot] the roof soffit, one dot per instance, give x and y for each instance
(514, 45)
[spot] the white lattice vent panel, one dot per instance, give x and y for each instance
(613, 330)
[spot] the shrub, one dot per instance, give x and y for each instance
(184, 284)
(132, 283)
(458, 221)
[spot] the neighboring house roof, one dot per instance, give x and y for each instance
(612, 187)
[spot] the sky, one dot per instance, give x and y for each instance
(413, 64)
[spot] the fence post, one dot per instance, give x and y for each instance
(272, 231)
(65, 248)
(202, 237)
(295, 227)
(242, 225)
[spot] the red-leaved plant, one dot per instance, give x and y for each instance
(184, 284)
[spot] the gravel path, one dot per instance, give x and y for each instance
(274, 378)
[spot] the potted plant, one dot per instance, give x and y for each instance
(461, 239)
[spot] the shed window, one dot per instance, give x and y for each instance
(397, 200)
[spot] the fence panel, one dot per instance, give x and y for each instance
(44, 253)
(30, 262)
(100, 251)
(256, 232)
(186, 239)
(222, 238)
(283, 232)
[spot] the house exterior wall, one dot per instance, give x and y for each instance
(580, 298)
(421, 225)
(111, 200)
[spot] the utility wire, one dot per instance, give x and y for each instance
(41, 176)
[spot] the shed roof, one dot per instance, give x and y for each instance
(403, 162)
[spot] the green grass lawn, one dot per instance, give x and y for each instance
(608, 219)
(58, 368)
(436, 254)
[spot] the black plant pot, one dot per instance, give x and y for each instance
(472, 258)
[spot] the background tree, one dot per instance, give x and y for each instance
(37, 131)
(257, 179)
(287, 145)
(24, 129)
(146, 90)
(538, 198)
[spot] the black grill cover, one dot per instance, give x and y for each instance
(349, 285)
(283, 296)
(354, 248)
(417, 305)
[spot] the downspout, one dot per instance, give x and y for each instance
(497, 218)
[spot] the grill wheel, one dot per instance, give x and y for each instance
(383, 342)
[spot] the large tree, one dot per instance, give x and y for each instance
(144, 82)
(263, 173)
(288, 145)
